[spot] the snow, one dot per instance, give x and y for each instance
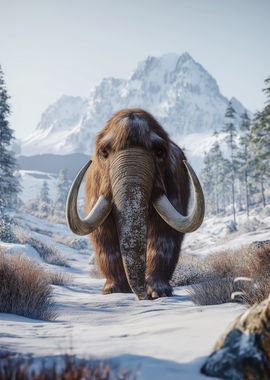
(163, 338)
(32, 182)
(167, 335)
(213, 234)
(21, 249)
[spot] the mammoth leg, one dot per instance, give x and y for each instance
(164, 243)
(109, 260)
(163, 251)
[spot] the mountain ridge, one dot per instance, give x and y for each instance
(176, 89)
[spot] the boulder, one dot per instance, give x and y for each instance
(243, 351)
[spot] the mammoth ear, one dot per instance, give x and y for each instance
(177, 180)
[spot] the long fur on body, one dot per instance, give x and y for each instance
(130, 128)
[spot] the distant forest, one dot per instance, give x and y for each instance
(239, 181)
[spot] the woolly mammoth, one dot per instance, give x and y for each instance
(137, 194)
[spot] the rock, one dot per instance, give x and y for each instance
(243, 351)
(259, 244)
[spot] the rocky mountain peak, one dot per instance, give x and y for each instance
(176, 89)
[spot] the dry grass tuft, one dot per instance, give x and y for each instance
(19, 368)
(212, 277)
(48, 253)
(213, 292)
(25, 288)
(59, 278)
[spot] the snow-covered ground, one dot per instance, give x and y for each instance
(168, 338)
(213, 235)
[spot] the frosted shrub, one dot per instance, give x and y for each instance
(47, 252)
(25, 288)
(6, 229)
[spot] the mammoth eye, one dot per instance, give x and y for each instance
(104, 153)
(160, 151)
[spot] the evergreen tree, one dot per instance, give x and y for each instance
(207, 181)
(217, 161)
(231, 135)
(244, 156)
(266, 121)
(266, 90)
(260, 144)
(225, 182)
(62, 191)
(44, 200)
(9, 182)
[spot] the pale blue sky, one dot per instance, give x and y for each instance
(54, 47)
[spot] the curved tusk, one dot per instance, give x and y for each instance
(174, 218)
(95, 217)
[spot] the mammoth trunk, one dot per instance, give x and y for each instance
(131, 175)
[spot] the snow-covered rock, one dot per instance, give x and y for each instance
(179, 92)
(243, 351)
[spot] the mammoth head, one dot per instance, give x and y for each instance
(131, 159)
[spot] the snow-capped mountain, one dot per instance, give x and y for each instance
(176, 89)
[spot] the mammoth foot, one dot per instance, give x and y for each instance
(114, 287)
(158, 289)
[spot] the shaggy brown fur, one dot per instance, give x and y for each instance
(136, 128)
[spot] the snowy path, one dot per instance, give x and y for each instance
(168, 338)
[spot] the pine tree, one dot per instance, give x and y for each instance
(216, 159)
(231, 135)
(44, 200)
(260, 144)
(207, 181)
(244, 156)
(9, 182)
(266, 120)
(225, 182)
(62, 191)
(266, 90)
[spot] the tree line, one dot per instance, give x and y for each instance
(238, 180)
